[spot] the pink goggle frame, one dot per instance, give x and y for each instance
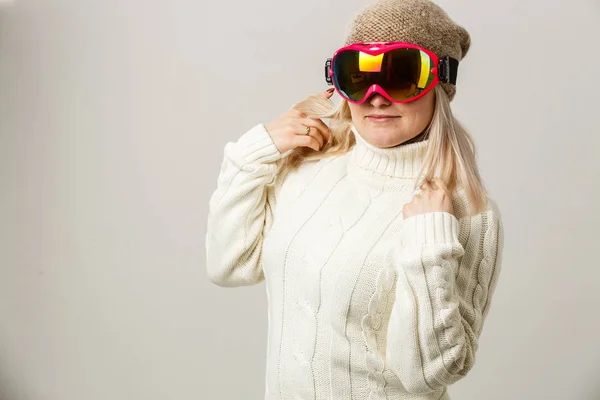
(443, 69)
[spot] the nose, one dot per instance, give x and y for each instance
(377, 100)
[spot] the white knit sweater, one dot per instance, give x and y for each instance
(363, 304)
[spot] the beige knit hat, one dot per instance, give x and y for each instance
(420, 22)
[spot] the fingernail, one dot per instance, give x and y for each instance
(330, 90)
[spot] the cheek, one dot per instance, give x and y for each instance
(423, 113)
(425, 116)
(356, 113)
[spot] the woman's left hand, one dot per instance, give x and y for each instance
(434, 196)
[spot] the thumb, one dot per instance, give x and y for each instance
(328, 93)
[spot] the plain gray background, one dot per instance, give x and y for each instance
(113, 119)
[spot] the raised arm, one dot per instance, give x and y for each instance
(241, 209)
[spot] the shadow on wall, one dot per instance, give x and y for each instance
(9, 389)
(593, 390)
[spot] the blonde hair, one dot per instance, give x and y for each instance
(450, 154)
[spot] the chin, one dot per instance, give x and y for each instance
(383, 136)
(384, 141)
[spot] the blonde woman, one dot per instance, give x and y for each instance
(379, 245)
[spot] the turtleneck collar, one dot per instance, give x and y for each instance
(383, 166)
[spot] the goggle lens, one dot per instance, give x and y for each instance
(402, 73)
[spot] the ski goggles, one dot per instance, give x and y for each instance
(399, 71)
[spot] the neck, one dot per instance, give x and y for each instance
(393, 165)
(419, 138)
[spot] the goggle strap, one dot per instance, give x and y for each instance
(448, 69)
(327, 72)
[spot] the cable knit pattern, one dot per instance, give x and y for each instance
(370, 325)
(429, 259)
(308, 303)
(362, 304)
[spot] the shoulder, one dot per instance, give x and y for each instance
(461, 205)
(489, 221)
(481, 227)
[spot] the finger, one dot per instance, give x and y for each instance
(294, 112)
(312, 133)
(429, 184)
(307, 141)
(319, 125)
(440, 184)
(328, 93)
(317, 135)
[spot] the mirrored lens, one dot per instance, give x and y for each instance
(402, 73)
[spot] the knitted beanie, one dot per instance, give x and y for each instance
(420, 22)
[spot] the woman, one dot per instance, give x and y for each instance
(377, 240)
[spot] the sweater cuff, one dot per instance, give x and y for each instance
(430, 228)
(258, 146)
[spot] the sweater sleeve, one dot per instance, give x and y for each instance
(443, 293)
(241, 209)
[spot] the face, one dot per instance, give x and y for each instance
(403, 121)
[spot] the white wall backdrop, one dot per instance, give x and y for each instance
(113, 119)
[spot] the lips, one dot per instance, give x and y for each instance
(381, 118)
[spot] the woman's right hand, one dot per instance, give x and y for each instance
(288, 131)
